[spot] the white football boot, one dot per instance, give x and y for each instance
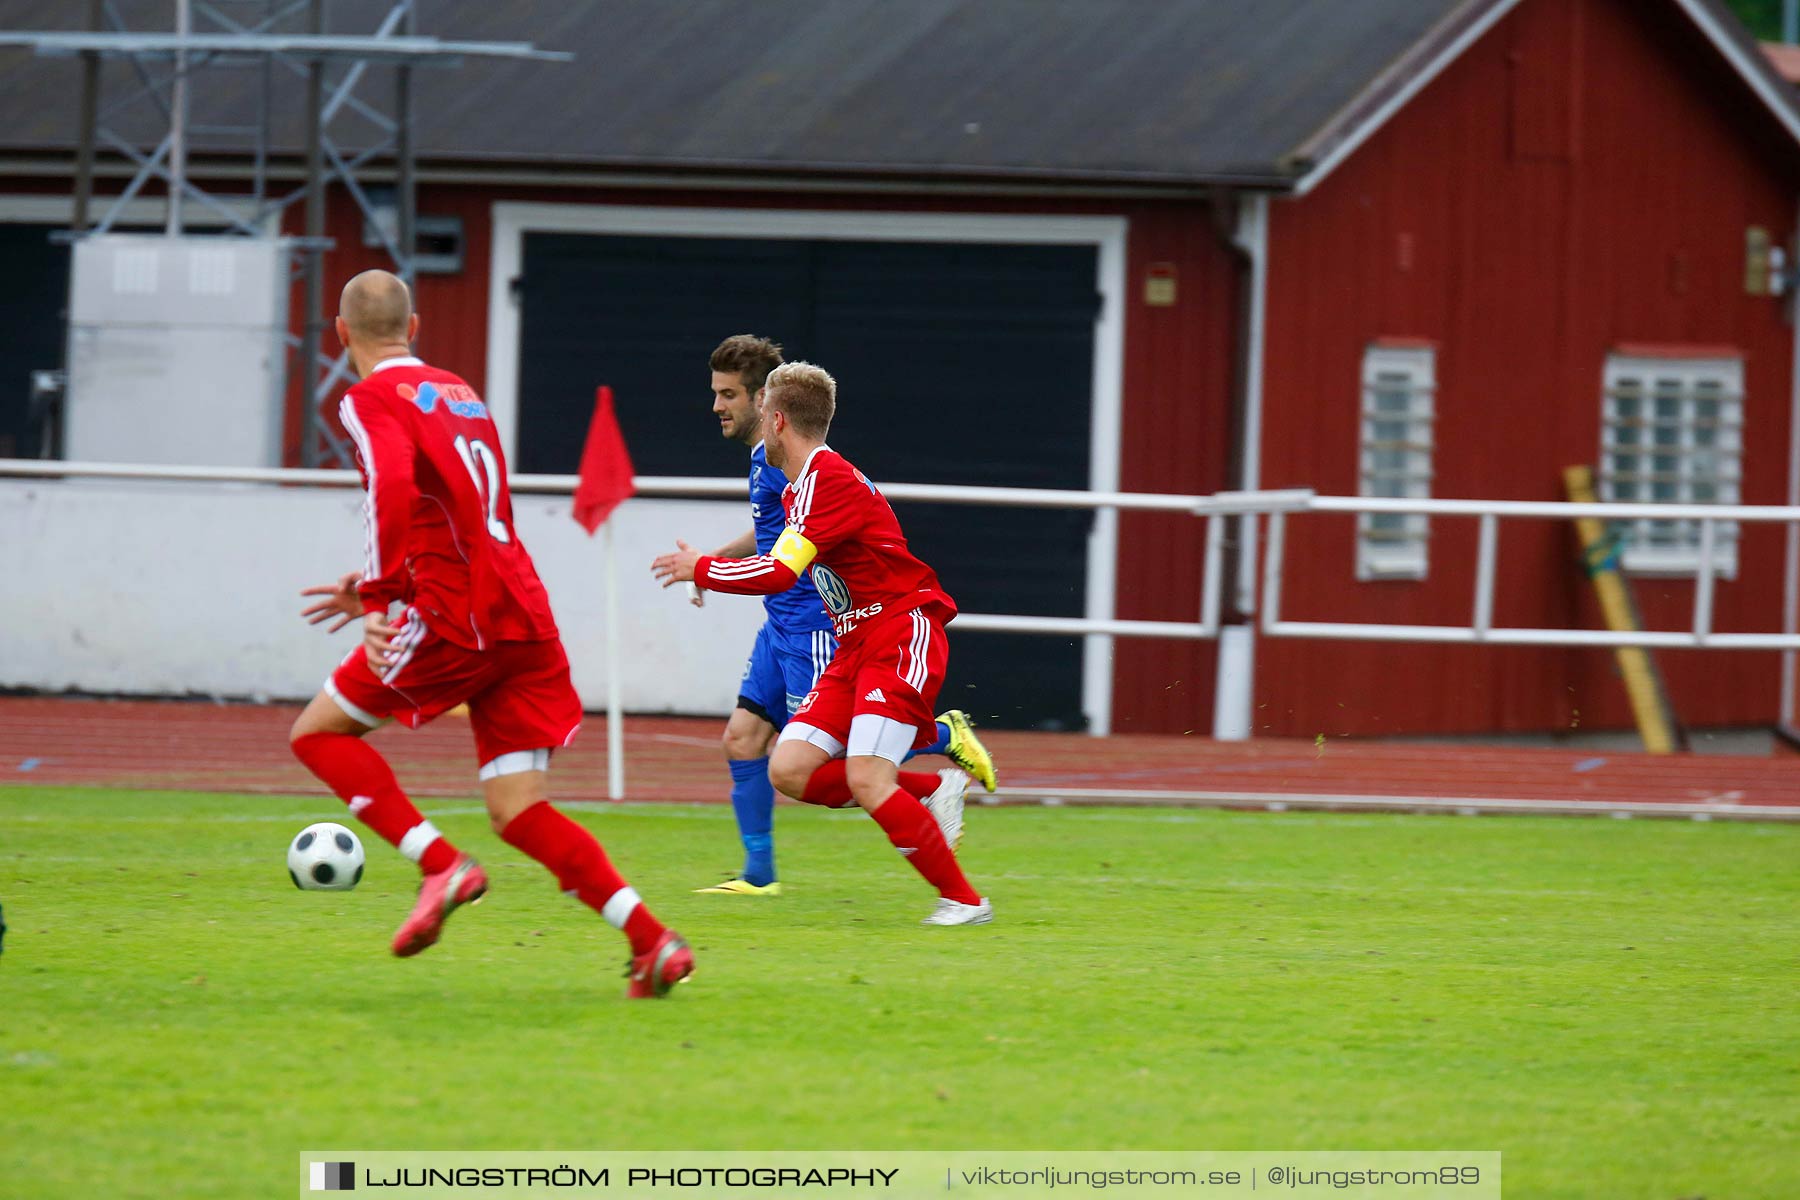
(946, 804)
(951, 912)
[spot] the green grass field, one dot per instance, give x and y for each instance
(1611, 1004)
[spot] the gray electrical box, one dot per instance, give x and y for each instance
(176, 349)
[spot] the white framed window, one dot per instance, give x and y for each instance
(1399, 392)
(1672, 432)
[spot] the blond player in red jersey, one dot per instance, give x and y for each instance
(874, 703)
(475, 628)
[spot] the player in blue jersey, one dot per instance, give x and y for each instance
(795, 643)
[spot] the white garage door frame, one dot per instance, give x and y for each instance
(1107, 234)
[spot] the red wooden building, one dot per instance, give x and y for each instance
(1398, 247)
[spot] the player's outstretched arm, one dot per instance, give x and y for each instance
(341, 601)
(763, 575)
(678, 567)
(666, 566)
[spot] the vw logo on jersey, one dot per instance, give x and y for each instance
(832, 590)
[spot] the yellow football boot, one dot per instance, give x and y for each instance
(966, 750)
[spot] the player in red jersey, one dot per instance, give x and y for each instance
(874, 702)
(475, 628)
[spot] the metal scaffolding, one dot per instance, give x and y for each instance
(259, 36)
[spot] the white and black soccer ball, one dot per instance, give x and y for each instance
(325, 858)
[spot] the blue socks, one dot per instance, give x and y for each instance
(938, 747)
(753, 800)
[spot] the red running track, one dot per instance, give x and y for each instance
(52, 741)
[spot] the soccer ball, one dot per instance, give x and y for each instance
(325, 858)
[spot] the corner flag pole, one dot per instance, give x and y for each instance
(615, 716)
(606, 482)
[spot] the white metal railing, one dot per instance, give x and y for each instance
(1481, 628)
(1275, 506)
(1214, 508)
(1250, 508)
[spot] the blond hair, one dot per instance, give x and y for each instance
(807, 394)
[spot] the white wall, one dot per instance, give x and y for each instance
(172, 589)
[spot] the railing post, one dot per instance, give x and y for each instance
(1234, 684)
(1487, 553)
(1100, 601)
(1211, 573)
(1703, 583)
(1271, 597)
(1790, 600)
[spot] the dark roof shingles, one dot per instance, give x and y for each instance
(1182, 91)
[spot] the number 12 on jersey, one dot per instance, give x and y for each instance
(486, 478)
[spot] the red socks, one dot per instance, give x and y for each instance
(915, 834)
(362, 779)
(829, 787)
(919, 784)
(908, 825)
(574, 856)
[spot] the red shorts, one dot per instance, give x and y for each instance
(876, 697)
(519, 695)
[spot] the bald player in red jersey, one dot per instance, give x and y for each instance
(874, 703)
(475, 628)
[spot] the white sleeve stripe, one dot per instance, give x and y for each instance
(751, 566)
(371, 525)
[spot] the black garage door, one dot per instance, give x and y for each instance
(956, 363)
(32, 308)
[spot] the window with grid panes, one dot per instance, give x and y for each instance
(1672, 432)
(1399, 385)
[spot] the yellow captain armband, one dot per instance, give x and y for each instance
(793, 551)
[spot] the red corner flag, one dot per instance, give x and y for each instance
(605, 466)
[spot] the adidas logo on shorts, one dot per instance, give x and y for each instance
(876, 697)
